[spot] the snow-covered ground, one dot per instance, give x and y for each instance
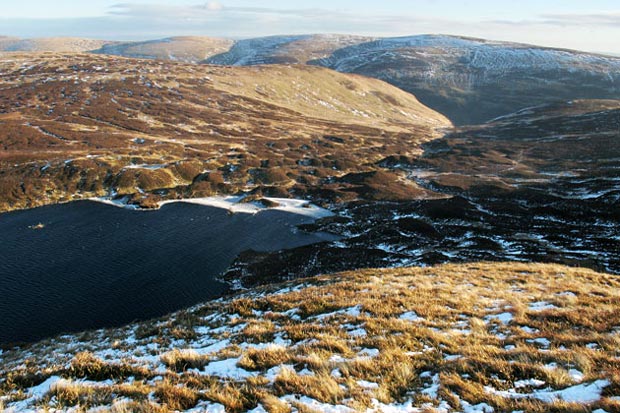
(235, 204)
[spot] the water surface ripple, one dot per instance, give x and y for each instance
(94, 265)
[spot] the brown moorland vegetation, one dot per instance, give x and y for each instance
(74, 126)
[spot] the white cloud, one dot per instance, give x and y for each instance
(214, 5)
(595, 19)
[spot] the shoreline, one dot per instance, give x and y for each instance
(233, 204)
(173, 258)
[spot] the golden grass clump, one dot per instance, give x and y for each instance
(86, 365)
(259, 331)
(321, 387)
(236, 397)
(176, 397)
(68, 393)
(264, 358)
(181, 360)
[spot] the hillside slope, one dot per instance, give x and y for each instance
(284, 49)
(189, 49)
(455, 338)
(469, 80)
(572, 148)
(473, 80)
(77, 126)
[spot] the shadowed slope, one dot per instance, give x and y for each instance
(474, 80)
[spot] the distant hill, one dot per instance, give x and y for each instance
(50, 44)
(469, 80)
(284, 49)
(473, 80)
(189, 49)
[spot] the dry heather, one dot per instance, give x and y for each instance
(77, 126)
(468, 338)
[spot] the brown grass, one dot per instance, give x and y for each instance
(176, 397)
(86, 365)
(181, 360)
(264, 359)
(321, 387)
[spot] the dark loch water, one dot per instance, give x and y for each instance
(95, 265)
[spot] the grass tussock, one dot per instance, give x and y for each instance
(264, 359)
(321, 387)
(235, 397)
(69, 393)
(176, 397)
(86, 365)
(181, 360)
(260, 331)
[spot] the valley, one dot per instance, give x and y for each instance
(332, 223)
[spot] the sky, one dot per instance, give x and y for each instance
(592, 25)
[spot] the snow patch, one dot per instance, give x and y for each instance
(208, 407)
(318, 406)
(410, 316)
(543, 342)
(581, 393)
(359, 332)
(235, 204)
(504, 318)
(367, 384)
(529, 383)
(541, 306)
(351, 311)
(227, 369)
(369, 352)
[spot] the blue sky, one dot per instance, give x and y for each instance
(592, 25)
